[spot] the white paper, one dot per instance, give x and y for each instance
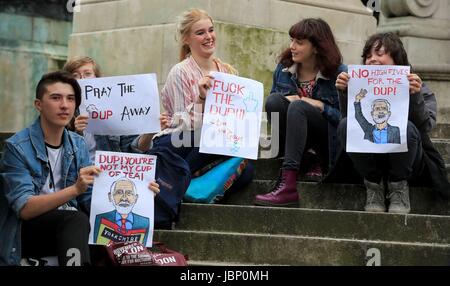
(232, 117)
(384, 93)
(122, 205)
(121, 105)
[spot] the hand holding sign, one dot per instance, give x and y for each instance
(81, 122)
(342, 81)
(154, 187)
(204, 84)
(415, 83)
(85, 178)
(165, 120)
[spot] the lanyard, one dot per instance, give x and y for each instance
(52, 183)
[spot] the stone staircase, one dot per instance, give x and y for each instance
(329, 228)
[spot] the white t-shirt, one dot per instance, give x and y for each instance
(54, 181)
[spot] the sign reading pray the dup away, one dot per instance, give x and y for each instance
(121, 105)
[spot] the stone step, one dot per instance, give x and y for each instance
(268, 169)
(339, 197)
(442, 145)
(271, 249)
(442, 130)
(314, 222)
(220, 263)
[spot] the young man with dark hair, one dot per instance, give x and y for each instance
(46, 176)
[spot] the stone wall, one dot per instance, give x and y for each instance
(33, 41)
(138, 36)
(424, 26)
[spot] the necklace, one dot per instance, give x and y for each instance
(52, 183)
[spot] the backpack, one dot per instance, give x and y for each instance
(173, 176)
(212, 185)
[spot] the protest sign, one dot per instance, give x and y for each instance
(378, 105)
(232, 117)
(122, 206)
(121, 105)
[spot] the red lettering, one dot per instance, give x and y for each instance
(360, 73)
(216, 84)
(102, 159)
(384, 90)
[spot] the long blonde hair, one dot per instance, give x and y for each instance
(185, 22)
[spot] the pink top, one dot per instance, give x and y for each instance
(180, 93)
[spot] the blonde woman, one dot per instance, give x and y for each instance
(184, 93)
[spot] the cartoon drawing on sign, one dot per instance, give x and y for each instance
(90, 108)
(121, 224)
(251, 104)
(381, 132)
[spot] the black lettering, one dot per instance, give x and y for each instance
(87, 90)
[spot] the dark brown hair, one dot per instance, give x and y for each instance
(58, 76)
(392, 45)
(319, 33)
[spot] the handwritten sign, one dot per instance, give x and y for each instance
(232, 117)
(122, 206)
(378, 104)
(121, 105)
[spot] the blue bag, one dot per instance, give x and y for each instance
(211, 186)
(173, 176)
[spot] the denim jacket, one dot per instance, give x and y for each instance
(285, 83)
(23, 171)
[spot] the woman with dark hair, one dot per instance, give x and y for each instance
(305, 97)
(422, 162)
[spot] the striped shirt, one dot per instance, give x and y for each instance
(180, 93)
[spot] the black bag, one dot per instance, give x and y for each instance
(173, 176)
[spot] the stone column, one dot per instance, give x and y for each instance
(424, 27)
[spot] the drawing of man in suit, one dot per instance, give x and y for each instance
(381, 132)
(121, 224)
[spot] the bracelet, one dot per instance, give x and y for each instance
(202, 98)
